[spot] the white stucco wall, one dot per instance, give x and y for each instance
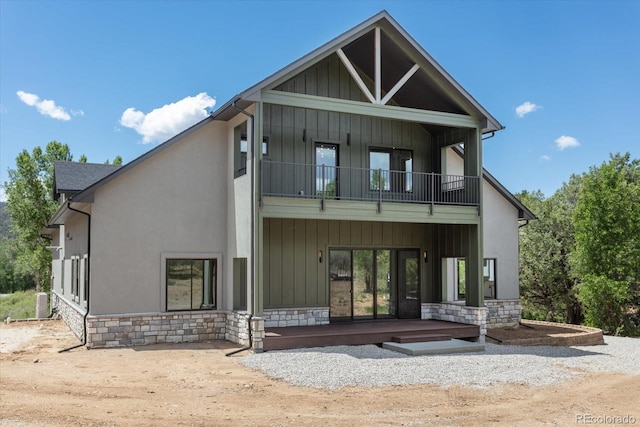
(238, 208)
(173, 202)
(500, 232)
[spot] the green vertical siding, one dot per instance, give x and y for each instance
(327, 78)
(294, 277)
(285, 127)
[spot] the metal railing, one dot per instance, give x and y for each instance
(322, 182)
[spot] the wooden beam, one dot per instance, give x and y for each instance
(374, 110)
(400, 83)
(378, 70)
(355, 75)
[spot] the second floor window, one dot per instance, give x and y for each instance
(390, 169)
(241, 154)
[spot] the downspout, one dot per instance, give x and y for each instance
(493, 133)
(251, 304)
(84, 320)
(526, 222)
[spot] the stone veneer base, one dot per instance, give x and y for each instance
(155, 328)
(503, 312)
(307, 316)
(457, 312)
(69, 312)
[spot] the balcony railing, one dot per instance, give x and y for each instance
(324, 182)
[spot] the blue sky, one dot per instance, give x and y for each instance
(116, 78)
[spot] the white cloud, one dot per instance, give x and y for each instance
(566, 142)
(46, 107)
(170, 119)
(526, 108)
(545, 158)
(3, 194)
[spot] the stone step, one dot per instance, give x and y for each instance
(434, 347)
(420, 338)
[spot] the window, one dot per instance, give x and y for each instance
(240, 150)
(239, 283)
(86, 277)
(380, 164)
(489, 279)
(461, 274)
(191, 284)
(75, 277)
(327, 169)
(390, 170)
(241, 146)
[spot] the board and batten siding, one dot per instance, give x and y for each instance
(328, 78)
(294, 277)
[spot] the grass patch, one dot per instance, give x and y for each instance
(18, 305)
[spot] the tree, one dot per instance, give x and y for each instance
(548, 284)
(30, 204)
(117, 161)
(10, 279)
(607, 232)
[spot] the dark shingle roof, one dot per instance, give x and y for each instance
(72, 177)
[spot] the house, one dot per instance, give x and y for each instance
(330, 191)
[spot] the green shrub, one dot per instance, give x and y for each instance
(18, 305)
(606, 303)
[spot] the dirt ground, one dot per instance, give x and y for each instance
(195, 384)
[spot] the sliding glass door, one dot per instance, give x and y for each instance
(366, 283)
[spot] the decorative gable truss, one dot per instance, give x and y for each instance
(377, 99)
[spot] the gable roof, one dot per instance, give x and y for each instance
(72, 177)
(443, 81)
(243, 100)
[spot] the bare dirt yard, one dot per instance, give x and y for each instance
(195, 384)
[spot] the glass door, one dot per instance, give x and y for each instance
(374, 284)
(408, 284)
(327, 170)
(341, 307)
(363, 284)
(386, 295)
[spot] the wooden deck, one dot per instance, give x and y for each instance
(363, 332)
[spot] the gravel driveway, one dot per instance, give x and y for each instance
(371, 366)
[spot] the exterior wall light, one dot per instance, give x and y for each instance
(320, 256)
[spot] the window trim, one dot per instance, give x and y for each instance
(164, 256)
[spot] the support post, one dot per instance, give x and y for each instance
(473, 167)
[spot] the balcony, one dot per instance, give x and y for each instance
(322, 183)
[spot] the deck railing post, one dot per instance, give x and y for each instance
(432, 179)
(323, 188)
(261, 174)
(379, 190)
